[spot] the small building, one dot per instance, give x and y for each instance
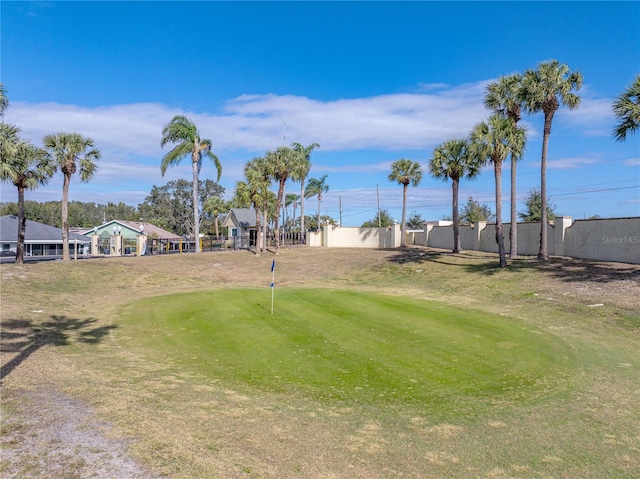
(118, 237)
(242, 227)
(40, 239)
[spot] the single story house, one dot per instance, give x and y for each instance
(40, 239)
(242, 227)
(157, 239)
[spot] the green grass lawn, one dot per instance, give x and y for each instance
(354, 347)
(376, 364)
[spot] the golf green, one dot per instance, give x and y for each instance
(348, 346)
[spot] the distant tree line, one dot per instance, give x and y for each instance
(168, 207)
(81, 214)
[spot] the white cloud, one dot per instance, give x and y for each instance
(255, 122)
(571, 163)
(387, 126)
(632, 161)
(593, 116)
(383, 166)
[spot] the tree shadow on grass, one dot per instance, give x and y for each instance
(565, 269)
(24, 337)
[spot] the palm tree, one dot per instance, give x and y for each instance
(185, 135)
(627, 111)
(71, 152)
(258, 182)
(30, 167)
(493, 142)
(281, 164)
(4, 101)
(405, 172)
(291, 199)
(545, 89)
(301, 173)
(246, 196)
(503, 96)
(454, 159)
(214, 206)
(315, 187)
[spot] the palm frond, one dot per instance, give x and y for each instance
(626, 108)
(175, 155)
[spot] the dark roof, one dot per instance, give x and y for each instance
(244, 217)
(35, 232)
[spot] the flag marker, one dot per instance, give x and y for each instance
(273, 282)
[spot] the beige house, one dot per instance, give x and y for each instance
(242, 227)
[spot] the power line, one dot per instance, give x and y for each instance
(595, 184)
(595, 191)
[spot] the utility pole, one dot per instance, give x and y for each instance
(284, 126)
(340, 204)
(378, 195)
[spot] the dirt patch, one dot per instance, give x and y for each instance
(52, 435)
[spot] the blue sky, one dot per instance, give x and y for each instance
(371, 82)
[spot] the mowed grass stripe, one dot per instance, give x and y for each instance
(348, 346)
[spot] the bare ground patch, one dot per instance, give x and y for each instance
(49, 434)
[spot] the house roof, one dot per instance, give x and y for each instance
(149, 229)
(243, 217)
(35, 232)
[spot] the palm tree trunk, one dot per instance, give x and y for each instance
(265, 226)
(543, 254)
(196, 214)
(319, 201)
(278, 209)
(65, 218)
(259, 232)
(293, 217)
(497, 167)
(22, 226)
(513, 230)
(455, 185)
(403, 224)
(302, 235)
(215, 225)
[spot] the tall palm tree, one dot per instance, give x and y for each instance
(405, 172)
(301, 173)
(627, 111)
(503, 96)
(30, 167)
(184, 133)
(493, 142)
(282, 163)
(258, 181)
(544, 90)
(4, 101)
(72, 153)
(315, 187)
(454, 160)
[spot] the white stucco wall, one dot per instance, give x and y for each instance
(352, 237)
(614, 239)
